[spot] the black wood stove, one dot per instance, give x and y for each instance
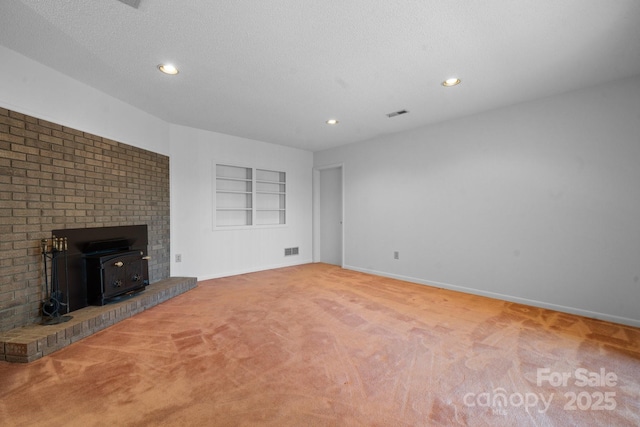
(114, 270)
(105, 264)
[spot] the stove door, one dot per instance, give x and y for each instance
(116, 276)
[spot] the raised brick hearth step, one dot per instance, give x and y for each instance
(32, 342)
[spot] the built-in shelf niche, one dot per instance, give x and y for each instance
(234, 196)
(270, 197)
(238, 205)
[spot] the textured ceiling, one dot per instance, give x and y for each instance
(277, 70)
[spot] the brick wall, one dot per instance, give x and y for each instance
(54, 177)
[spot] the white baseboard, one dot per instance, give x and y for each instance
(245, 271)
(510, 298)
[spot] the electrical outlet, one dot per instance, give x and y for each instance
(396, 255)
(178, 257)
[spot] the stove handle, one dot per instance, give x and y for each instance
(118, 264)
(146, 257)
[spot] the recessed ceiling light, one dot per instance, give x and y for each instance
(451, 82)
(332, 122)
(168, 69)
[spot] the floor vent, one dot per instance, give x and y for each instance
(291, 251)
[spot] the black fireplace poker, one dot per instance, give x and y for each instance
(55, 249)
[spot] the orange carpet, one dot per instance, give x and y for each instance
(316, 345)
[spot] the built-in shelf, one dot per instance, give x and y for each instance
(234, 196)
(270, 197)
(247, 196)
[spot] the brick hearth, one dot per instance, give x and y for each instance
(32, 342)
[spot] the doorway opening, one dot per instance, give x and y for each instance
(328, 215)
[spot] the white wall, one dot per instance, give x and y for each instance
(537, 203)
(31, 88)
(208, 252)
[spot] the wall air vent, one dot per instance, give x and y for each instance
(397, 113)
(291, 251)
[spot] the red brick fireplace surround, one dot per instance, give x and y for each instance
(54, 177)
